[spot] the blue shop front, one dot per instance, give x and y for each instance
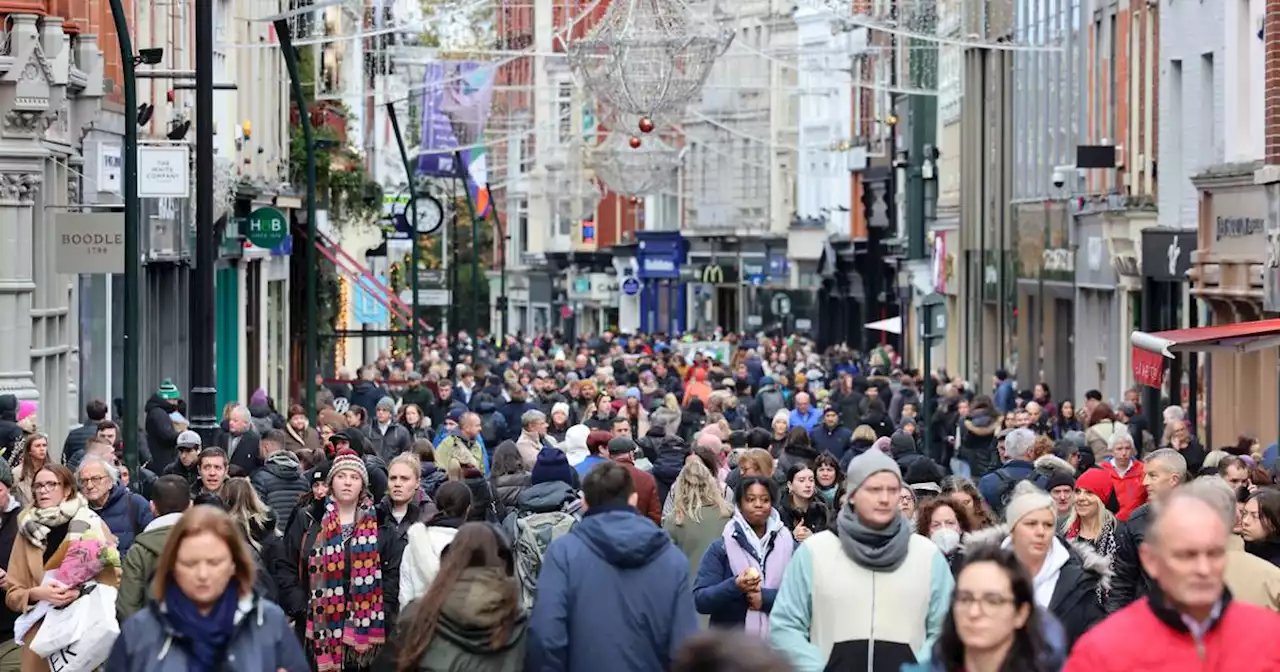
(659, 256)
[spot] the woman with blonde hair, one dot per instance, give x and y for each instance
(206, 611)
(699, 514)
(1092, 520)
(258, 523)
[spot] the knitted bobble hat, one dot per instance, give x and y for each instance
(347, 460)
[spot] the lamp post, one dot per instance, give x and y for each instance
(285, 35)
(132, 255)
(415, 254)
(203, 401)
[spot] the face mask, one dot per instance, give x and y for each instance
(946, 539)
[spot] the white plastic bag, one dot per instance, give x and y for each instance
(78, 637)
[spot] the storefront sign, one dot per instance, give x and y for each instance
(110, 167)
(713, 274)
(1239, 222)
(1166, 254)
(1059, 261)
(89, 242)
(1148, 367)
(164, 171)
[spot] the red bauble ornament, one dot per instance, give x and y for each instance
(634, 142)
(646, 125)
(634, 200)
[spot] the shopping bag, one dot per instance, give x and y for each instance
(78, 637)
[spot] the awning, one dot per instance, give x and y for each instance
(892, 325)
(1150, 350)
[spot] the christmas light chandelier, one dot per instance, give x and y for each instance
(648, 57)
(634, 169)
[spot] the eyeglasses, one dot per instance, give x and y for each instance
(45, 485)
(987, 602)
(94, 480)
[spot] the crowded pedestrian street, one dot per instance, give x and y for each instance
(639, 336)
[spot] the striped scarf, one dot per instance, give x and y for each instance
(346, 623)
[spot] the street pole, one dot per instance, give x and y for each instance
(203, 401)
(132, 255)
(415, 255)
(475, 245)
(502, 292)
(926, 409)
(304, 118)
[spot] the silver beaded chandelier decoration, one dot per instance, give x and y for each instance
(648, 57)
(633, 168)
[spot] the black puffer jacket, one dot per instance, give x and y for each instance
(378, 478)
(431, 477)
(670, 460)
(161, 436)
(792, 454)
(1131, 582)
(280, 482)
(978, 442)
(482, 502)
(394, 441)
(506, 491)
(10, 432)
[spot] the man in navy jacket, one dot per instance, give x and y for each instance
(614, 593)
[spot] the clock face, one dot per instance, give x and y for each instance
(430, 214)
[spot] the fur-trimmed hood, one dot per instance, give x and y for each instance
(1046, 465)
(1089, 560)
(982, 423)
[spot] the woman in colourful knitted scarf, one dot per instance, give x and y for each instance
(341, 589)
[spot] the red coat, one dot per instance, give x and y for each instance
(646, 490)
(1130, 493)
(1135, 639)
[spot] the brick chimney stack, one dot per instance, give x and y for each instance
(1271, 38)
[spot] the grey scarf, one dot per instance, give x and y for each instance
(881, 550)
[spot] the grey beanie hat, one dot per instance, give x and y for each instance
(867, 465)
(386, 404)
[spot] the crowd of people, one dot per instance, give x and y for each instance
(641, 504)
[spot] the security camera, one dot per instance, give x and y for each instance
(1059, 179)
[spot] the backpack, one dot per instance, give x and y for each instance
(771, 401)
(1007, 484)
(531, 534)
(489, 430)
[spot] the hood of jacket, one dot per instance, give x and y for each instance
(362, 387)
(621, 537)
(1047, 465)
(1082, 554)
(153, 402)
(981, 423)
(484, 405)
(902, 444)
(117, 493)
(154, 538)
(8, 407)
(476, 607)
(545, 497)
(283, 464)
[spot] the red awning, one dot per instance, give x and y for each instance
(1150, 350)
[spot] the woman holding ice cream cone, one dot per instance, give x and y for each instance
(741, 571)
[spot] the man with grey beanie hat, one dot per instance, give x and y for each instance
(389, 437)
(870, 552)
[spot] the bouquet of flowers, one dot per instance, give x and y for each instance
(85, 559)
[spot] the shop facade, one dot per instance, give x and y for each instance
(1044, 327)
(1098, 313)
(593, 297)
(1227, 278)
(660, 256)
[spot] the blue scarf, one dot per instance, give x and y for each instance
(207, 636)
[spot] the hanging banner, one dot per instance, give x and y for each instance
(456, 99)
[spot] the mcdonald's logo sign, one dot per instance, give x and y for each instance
(713, 274)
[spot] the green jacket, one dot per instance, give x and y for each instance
(463, 641)
(139, 567)
(454, 443)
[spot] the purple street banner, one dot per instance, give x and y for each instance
(456, 99)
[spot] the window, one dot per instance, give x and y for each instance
(564, 110)
(1207, 121)
(520, 242)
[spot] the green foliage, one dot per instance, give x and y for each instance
(342, 185)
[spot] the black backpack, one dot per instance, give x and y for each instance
(1005, 492)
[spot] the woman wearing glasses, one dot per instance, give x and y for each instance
(58, 517)
(993, 623)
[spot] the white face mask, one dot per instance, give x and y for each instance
(946, 539)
